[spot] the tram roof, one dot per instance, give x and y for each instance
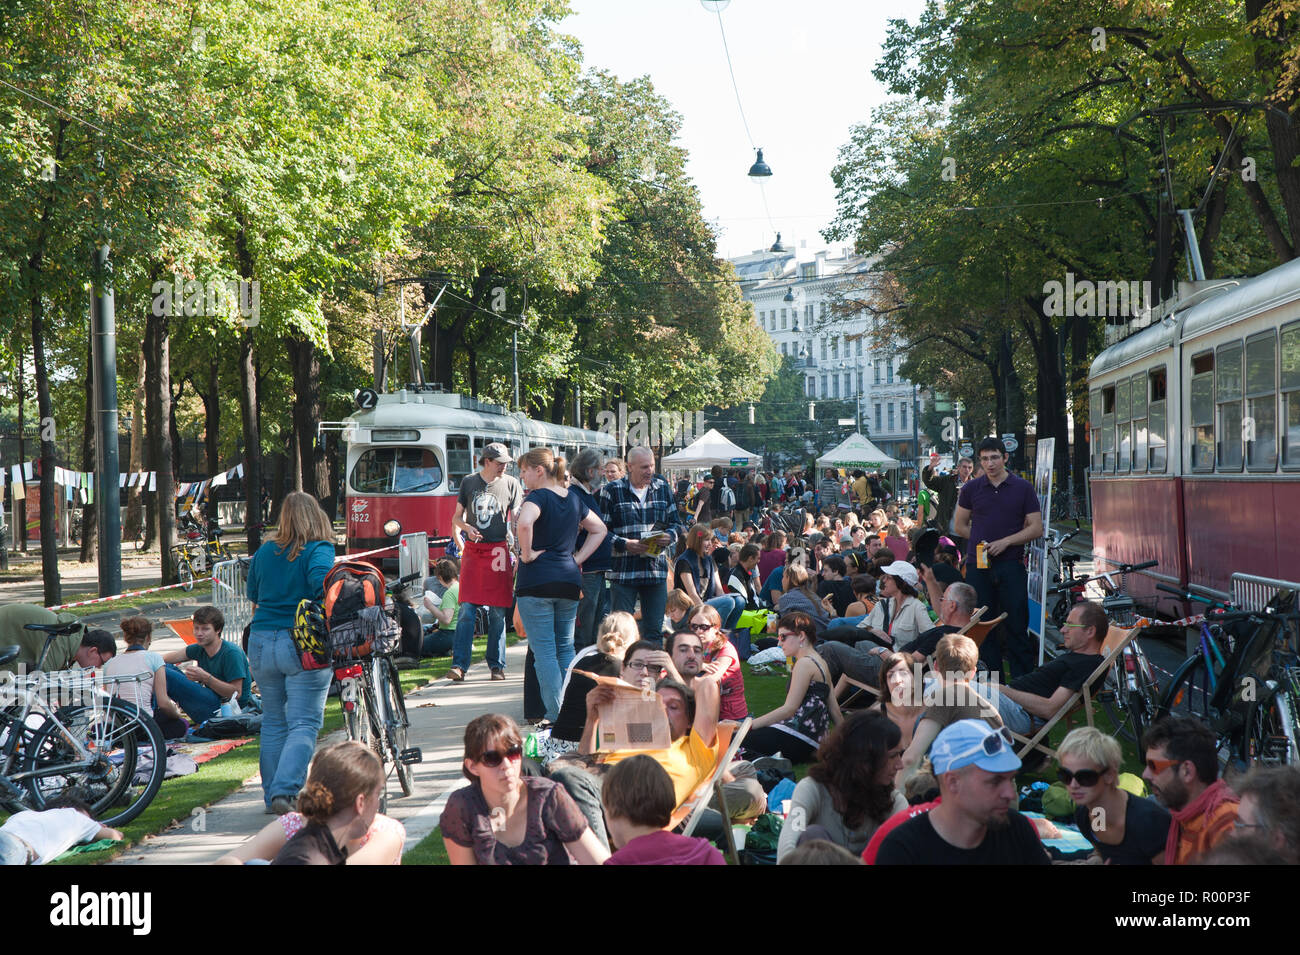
(1251, 297)
(443, 410)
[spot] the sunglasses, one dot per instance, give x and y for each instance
(701, 627)
(492, 759)
(1160, 765)
(1086, 777)
(990, 745)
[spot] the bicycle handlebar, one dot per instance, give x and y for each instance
(1191, 597)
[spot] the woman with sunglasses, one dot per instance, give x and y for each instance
(1125, 829)
(696, 574)
(506, 818)
(797, 727)
(720, 657)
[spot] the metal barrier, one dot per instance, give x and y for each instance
(230, 596)
(1253, 593)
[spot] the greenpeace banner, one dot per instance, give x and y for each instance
(1038, 549)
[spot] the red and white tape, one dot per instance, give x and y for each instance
(365, 553)
(132, 593)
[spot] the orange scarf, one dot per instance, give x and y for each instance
(1214, 809)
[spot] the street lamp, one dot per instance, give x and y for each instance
(776, 246)
(789, 294)
(760, 170)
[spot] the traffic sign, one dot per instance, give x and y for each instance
(967, 451)
(1010, 443)
(367, 398)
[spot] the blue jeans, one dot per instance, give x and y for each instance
(462, 652)
(548, 621)
(198, 702)
(1016, 717)
(842, 626)
(437, 642)
(729, 607)
(654, 597)
(293, 708)
(1004, 587)
(593, 608)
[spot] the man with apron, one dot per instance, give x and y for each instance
(486, 509)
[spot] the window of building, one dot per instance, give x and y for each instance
(811, 388)
(1123, 426)
(857, 350)
(783, 348)
(835, 347)
(890, 417)
(1156, 421)
(848, 383)
(835, 386)
(1289, 385)
(860, 377)
(823, 348)
(877, 371)
(1138, 460)
(878, 426)
(1260, 427)
(890, 366)
(826, 391)
(1202, 412)
(808, 270)
(1227, 364)
(902, 416)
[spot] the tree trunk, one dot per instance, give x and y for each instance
(158, 410)
(89, 515)
(45, 414)
(1079, 389)
(313, 468)
(279, 466)
(135, 496)
(178, 448)
(248, 409)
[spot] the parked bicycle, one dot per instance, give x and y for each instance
(374, 708)
(102, 747)
(199, 551)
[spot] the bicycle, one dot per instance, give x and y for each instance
(191, 555)
(374, 708)
(106, 751)
(1069, 589)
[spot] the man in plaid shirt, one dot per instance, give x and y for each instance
(631, 507)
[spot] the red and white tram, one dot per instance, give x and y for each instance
(408, 452)
(1195, 431)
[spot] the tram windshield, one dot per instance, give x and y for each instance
(396, 471)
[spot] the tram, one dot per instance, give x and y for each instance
(407, 453)
(1195, 438)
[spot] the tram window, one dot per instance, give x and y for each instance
(1138, 460)
(1290, 387)
(1202, 412)
(1123, 427)
(396, 471)
(459, 462)
(1094, 426)
(1228, 401)
(1156, 421)
(1108, 429)
(1259, 428)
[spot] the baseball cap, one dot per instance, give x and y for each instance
(846, 535)
(496, 451)
(904, 570)
(708, 479)
(973, 743)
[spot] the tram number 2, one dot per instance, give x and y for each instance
(367, 398)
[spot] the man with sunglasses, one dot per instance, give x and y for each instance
(1182, 769)
(1039, 695)
(973, 824)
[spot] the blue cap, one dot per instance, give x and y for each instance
(973, 743)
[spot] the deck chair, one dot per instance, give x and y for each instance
(1114, 644)
(977, 630)
(730, 737)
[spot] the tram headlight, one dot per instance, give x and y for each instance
(393, 528)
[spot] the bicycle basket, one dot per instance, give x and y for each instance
(371, 631)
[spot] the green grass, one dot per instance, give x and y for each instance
(428, 851)
(202, 589)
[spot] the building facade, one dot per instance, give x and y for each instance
(795, 298)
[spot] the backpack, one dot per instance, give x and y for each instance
(727, 499)
(354, 609)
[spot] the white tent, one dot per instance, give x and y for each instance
(856, 451)
(709, 449)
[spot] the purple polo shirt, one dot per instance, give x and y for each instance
(997, 512)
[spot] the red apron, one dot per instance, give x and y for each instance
(487, 575)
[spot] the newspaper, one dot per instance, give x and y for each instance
(634, 720)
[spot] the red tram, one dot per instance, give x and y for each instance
(1195, 431)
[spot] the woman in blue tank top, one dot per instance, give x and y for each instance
(549, 581)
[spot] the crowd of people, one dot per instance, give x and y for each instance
(627, 589)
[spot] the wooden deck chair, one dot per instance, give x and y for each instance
(730, 736)
(977, 631)
(1114, 644)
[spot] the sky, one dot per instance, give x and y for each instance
(804, 74)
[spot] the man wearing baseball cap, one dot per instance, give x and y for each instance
(973, 824)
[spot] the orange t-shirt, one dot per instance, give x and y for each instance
(1201, 834)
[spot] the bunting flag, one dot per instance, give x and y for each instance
(153, 480)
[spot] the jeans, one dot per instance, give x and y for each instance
(857, 663)
(593, 608)
(293, 707)
(437, 642)
(548, 621)
(13, 851)
(1015, 716)
(654, 597)
(462, 652)
(729, 607)
(198, 702)
(1004, 587)
(846, 624)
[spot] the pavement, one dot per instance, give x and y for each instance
(438, 713)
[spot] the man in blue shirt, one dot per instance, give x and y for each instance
(222, 670)
(644, 525)
(1001, 511)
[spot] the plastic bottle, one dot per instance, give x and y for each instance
(982, 555)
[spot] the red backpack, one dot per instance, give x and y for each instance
(351, 586)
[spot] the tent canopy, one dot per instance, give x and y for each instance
(709, 449)
(856, 451)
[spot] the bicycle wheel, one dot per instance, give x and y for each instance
(1266, 739)
(127, 760)
(185, 574)
(357, 719)
(1124, 707)
(375, 708)
(396, 723)
(1189, 692)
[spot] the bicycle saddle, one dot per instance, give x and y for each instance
(9, 654)
(58, 629)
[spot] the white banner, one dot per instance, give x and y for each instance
(1038, 548)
